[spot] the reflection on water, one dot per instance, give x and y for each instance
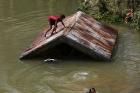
(22, 20)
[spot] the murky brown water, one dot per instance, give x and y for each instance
(22, 20)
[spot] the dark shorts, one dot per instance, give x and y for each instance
(51, 22)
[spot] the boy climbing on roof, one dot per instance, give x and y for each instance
(129, 16)
(53, 21)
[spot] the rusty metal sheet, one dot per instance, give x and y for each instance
(87, 34)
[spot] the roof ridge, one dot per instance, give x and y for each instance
(78, 15)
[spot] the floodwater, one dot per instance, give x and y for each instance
(22, 20)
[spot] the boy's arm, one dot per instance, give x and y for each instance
(63, 23)
(55, 25)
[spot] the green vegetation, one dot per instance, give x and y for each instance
(112, 11)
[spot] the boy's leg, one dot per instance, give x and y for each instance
(48, 30)
(50, 27)
(54, 30)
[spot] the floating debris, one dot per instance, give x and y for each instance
(50, 60)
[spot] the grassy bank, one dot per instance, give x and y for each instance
(112, 11)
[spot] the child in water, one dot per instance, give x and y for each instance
(92, 90)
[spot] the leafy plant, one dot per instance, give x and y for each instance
(113, 11)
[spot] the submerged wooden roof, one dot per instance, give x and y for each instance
(82, 32)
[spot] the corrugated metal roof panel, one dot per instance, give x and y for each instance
(88, 35)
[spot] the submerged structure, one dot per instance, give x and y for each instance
(82, 32)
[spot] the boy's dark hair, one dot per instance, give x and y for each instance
(92, 90)
(62, 16)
